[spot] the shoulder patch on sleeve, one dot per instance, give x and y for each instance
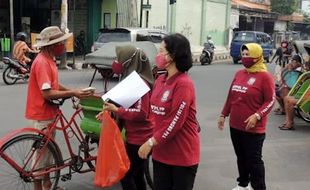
(45, 86)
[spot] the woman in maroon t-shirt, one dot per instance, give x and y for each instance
(250, 99)
(175, 142)
(136, 119)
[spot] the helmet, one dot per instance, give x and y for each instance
(21, 36)
(209, 37)
(284, 44)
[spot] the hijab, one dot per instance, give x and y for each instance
(256, 52)
(134, 59)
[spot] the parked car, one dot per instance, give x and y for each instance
(128, 35)
(242, 37)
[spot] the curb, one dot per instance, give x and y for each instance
(217, 57)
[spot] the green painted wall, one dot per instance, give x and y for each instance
(94, 20)
(215, 22)
(109, 6)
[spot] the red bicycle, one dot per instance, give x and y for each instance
(22, 151)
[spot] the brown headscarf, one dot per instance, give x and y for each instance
(134, 59)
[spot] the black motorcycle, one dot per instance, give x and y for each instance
(14, 71)
(206, 56)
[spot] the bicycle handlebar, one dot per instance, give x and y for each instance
(60, 101)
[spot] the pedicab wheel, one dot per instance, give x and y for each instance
(7, 76)
(148, 170)
(303, 115)
(21, 152)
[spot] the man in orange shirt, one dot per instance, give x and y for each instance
(21, 48)
(44, 87)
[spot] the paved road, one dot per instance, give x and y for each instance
(286, 153)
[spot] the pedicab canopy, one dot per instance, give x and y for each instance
(307, 47)
(300, 48)
(104, 56)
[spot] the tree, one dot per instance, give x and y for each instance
(284, 7)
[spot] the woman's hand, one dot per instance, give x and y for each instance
(107, 107)
(144, 150)
(250, 122)
(220, 123)
(110, 107)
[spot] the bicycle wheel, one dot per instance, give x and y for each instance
(21, 151)
(303, 115)
(148, 172)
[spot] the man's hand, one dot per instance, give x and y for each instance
(83, 94)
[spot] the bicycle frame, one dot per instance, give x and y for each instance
(60, 124)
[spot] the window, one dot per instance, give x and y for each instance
(244, 37)
(114, 37)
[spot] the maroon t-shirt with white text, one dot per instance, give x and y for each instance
(250, 93)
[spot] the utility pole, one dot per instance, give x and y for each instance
(147, 16)
(141, 12)
(64, 28)
(12, 23)
(168, 16)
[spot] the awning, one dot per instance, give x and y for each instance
(250, 5)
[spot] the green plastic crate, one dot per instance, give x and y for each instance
(91, 106)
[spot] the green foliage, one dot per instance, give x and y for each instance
(284, 7)
(307, 20)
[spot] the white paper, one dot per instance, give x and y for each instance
(128, 91)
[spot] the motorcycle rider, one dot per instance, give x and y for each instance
(210, 41)
(209, 45)
(21, 48)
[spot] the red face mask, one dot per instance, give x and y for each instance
(117, 67)
(248, 62)
(59, 49)
(160, 61)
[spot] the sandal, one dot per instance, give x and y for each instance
(283, 127)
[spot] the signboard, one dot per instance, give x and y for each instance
(69, 42)
(147, 7)
(33, 37)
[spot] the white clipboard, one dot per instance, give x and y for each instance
(128, 91)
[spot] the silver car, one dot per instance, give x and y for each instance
(128, 35)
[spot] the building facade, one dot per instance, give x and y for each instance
(195, 19)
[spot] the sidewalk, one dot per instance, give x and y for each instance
(220, 53)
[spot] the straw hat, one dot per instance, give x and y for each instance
(51, 35)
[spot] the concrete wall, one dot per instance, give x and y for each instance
(280, 25)
(216, 22)
(157, 15)
(195, 19)
(188, 19)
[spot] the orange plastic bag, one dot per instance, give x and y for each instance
(112, 160)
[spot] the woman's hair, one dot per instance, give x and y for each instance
(179, 50)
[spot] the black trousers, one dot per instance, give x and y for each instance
(168, 177)
(134, 178)
(248, 148)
